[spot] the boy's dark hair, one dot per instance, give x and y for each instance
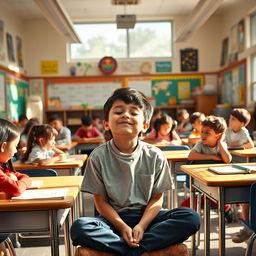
(86, 120)
(165, 119)
(129, 95)
(31, 122)
(218, 124)
(53, 118)
(195, 116)
(36, 132)
(242, 115)
(8, 133)
(22, 117)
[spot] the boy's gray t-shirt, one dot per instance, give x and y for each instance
(64, 136)
(204, 149)
(128, 180)
(241, 136)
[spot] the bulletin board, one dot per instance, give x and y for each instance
(87, 94)
(231, 84)
(174, 89)
(2, 95)
(16, 94)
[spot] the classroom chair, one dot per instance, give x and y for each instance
(180, 177)
(34, 173)
(252, 220)
(8, 243)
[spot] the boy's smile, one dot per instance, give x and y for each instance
(209, 137)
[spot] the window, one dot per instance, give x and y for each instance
(253, 65)
(147, 39)
(253, 28)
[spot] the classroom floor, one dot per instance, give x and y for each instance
(232, 249)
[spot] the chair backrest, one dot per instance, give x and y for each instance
(176, 147)
(252, 211)
(39, 172)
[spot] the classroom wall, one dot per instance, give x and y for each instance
(14, 26)
(43, 43)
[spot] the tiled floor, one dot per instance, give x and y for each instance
(232, 249)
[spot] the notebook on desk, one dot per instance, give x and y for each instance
(234, 169)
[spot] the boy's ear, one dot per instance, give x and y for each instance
(106, 126)
(145, 127)
(3, 146)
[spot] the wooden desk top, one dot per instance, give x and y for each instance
(78, 162)
(91, 141)
(37, 204)
(202, 174)
(244, 152)
(59, 181)
(176, 155)
(66, 147)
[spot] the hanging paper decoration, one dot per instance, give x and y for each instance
(108, 65)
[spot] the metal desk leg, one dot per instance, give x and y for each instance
(192, 205)
(174, 191)
(69, 251)
(221, 222)
(54, 232)
(206, 226)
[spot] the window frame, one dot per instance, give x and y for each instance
(70, 60)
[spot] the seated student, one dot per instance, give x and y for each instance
(237, 135)
(11, 182)
(127, 178)
(24, 135)
(184, 126)
(22, 121)
(196, 120)
(211, 149)
(164, 132)
(156, 115)
(97, 122)
(87, 132)
(212, 145)
(41, 146)
(64, 134)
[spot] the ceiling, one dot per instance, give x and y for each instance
(104, 10)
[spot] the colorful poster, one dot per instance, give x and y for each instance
(240, 35)
(10, 47)
(49, 67)
(19, 51)
(2, 52)
(224, 52)
(184, 91)
(189, 60)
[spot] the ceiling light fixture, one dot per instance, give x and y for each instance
(57, 16)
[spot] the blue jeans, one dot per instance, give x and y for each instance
(168, 227)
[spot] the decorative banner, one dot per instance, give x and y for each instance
(108, 65)
(50, 67)
(10, 47)
(2, 52)
(224, 52)
(163, 66)
(189, 59)
(19, 51)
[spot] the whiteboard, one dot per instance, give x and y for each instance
(94, 94)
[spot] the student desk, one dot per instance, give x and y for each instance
(40, 216)
(223, 189)
(73, 166)
(175, 159)
(243, 155)
(87, 144)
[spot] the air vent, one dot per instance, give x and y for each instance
(125, 2)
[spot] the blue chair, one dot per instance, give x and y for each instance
(8, 243)
(252, 220)
(39, 172)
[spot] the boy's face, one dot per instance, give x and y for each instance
(57, 124)
(87, 128)
(209, 137)
(235, 124)
(197, 125)
(125, 119)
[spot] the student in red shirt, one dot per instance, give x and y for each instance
(11, 182)
(87, 131)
